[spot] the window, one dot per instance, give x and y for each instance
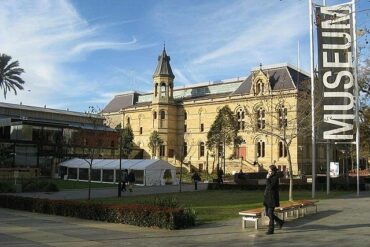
(171, 153)
(201, 149)
(163, 89)
(162, 150)
(260, 149)
(185, 127)
(283, 113)
(141, 130)
(154, 118)
(282, 149)
(259, 87)
(201, 127)
(185, 149)
(240, 117)
(260, 115)
(162, 116)
(156, 90)
(112, 144)
(185, 115)
(128, 121)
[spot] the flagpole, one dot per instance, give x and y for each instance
(313, 151)
(354, 47)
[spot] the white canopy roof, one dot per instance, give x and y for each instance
(113, 164)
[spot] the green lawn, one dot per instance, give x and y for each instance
(218, 205)
(68, 185)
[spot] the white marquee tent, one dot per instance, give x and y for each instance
(147, 172)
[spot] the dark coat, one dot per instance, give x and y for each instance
(131, 177)
(271, 195)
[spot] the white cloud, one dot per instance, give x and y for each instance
(45, 36)
(180, 76)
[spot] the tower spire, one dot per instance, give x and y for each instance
(163, 66)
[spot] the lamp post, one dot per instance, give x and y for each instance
(120, 164)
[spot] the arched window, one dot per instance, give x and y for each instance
(240, 117)
(162, 118)
(154, 117)
(283, 119)
(201, 149)
(128, 121)
(156, 90)
(283, 152)
(163, 89)
(260, 115)
(260, 149)
(259, 87)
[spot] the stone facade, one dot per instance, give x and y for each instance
(183, 117)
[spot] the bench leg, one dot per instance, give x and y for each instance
(243, 223)
(256, 224)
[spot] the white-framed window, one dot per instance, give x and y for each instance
(260, 115)
(240, 114)
(260, 149)
(283, 116)
(201, 149)
(283, 152)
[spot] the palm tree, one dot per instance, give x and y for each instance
(10, 74)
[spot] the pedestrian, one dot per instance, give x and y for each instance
(220, 172)
(196, 178)
(131, 179)
(124, 180)
(271, 198)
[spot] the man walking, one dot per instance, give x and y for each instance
(131, 180)
(271, 198)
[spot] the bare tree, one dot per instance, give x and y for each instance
(92, 143)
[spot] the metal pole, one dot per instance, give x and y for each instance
(327, 170)
(354, 47)
(120, 165)
(313, 153)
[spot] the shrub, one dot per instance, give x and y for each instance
(39, 186)
(6, 187)
(140, 215)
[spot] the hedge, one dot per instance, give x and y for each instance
(139, 215)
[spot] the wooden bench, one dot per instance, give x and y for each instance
(296, 208)
(254, 215)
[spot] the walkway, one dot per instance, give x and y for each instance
(341, 222)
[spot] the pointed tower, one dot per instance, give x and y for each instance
(163, 80)
(164, 108)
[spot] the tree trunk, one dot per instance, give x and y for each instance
(207, 163)
(290, 173)
(89, 191)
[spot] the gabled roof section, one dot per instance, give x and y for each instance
(281, 76)
(121, 101)
(163, 66)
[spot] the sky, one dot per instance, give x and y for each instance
(79, 53)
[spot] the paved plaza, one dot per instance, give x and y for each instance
(341, 222)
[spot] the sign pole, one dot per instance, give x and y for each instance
(313, 153)
(356, 97)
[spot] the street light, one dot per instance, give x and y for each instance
(120, 163)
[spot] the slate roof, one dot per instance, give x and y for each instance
(282, 77)
(121, 101)
(163, 66)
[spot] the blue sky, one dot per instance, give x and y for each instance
(81, 53)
